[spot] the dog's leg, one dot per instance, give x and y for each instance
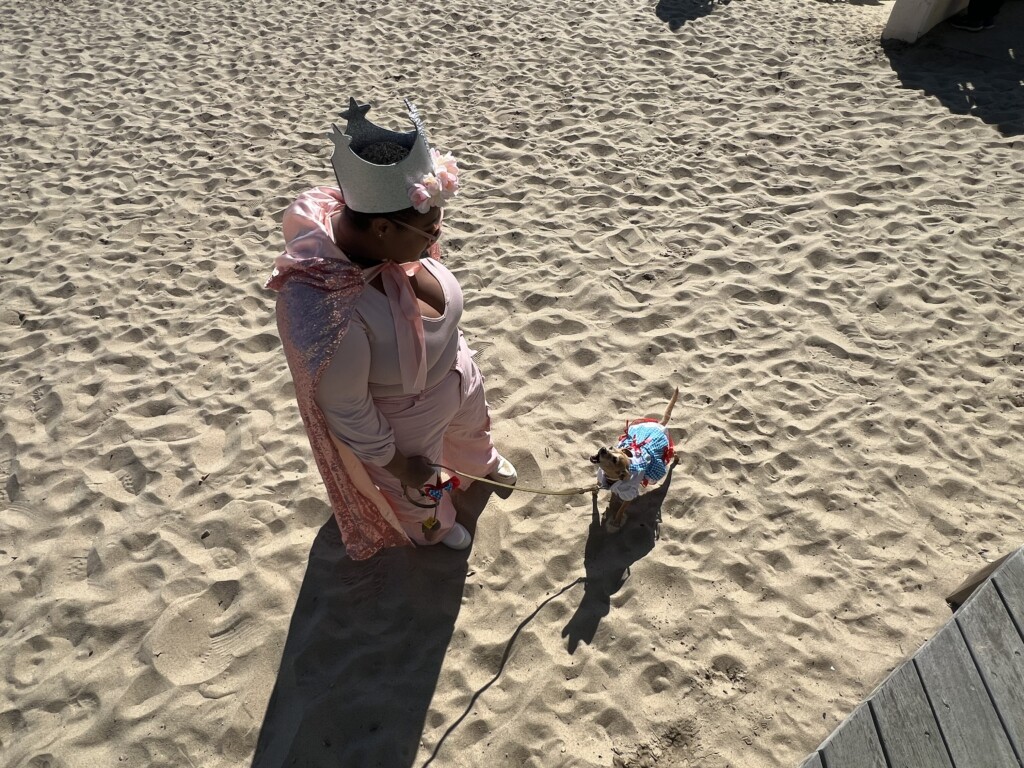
(617, 518)
(671, 405)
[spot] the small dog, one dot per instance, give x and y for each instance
(641, 456)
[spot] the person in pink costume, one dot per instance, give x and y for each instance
(369, 320)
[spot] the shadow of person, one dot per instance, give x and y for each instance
(676, 13)
(470, 504)
(977, 75)
(362, 657)
(853, 2)
(608, 556)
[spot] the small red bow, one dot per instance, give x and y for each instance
(437, 490)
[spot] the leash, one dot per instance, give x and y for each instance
(431, 526)
(542, 491)
(501, 667)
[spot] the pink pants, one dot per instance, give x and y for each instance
(447, 424)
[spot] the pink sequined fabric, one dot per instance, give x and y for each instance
(317, 289)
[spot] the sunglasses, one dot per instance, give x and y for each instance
(430, 237)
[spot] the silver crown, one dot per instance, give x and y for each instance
(368, 187)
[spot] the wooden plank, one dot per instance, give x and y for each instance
(854, 744)
(906, 725)
(969, 723)
(959, 595)
(998, 652)
(943, 681)
(1010, 581)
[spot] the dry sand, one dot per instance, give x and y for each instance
(754, 202)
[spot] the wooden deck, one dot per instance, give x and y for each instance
(958, 702)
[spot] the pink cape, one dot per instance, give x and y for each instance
(317, 289)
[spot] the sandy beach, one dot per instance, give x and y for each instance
(816, 238)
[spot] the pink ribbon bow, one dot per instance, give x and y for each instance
(412, 346)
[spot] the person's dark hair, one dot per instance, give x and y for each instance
(362, 221)
(381, 153)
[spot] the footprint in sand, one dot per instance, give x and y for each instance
(34, 660)
(45, 760)
(46, 405)
(198, 636)
(16, 519)
(230, 435)
(129, 470)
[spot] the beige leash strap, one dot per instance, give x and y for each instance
(525, 489)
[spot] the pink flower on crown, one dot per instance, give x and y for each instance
(420, 197)
(447, 172)
(435, 188)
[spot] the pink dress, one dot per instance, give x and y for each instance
(368, 384)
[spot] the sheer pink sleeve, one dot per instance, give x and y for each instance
(343, 394)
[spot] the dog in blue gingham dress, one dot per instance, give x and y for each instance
(640, 457)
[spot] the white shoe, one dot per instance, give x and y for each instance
(505, 473)
(457, 538)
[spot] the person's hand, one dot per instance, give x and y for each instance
(418, 472)
(412, 471)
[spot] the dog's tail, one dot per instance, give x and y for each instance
(671, 405)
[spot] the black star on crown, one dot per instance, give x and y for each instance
(355, 111)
